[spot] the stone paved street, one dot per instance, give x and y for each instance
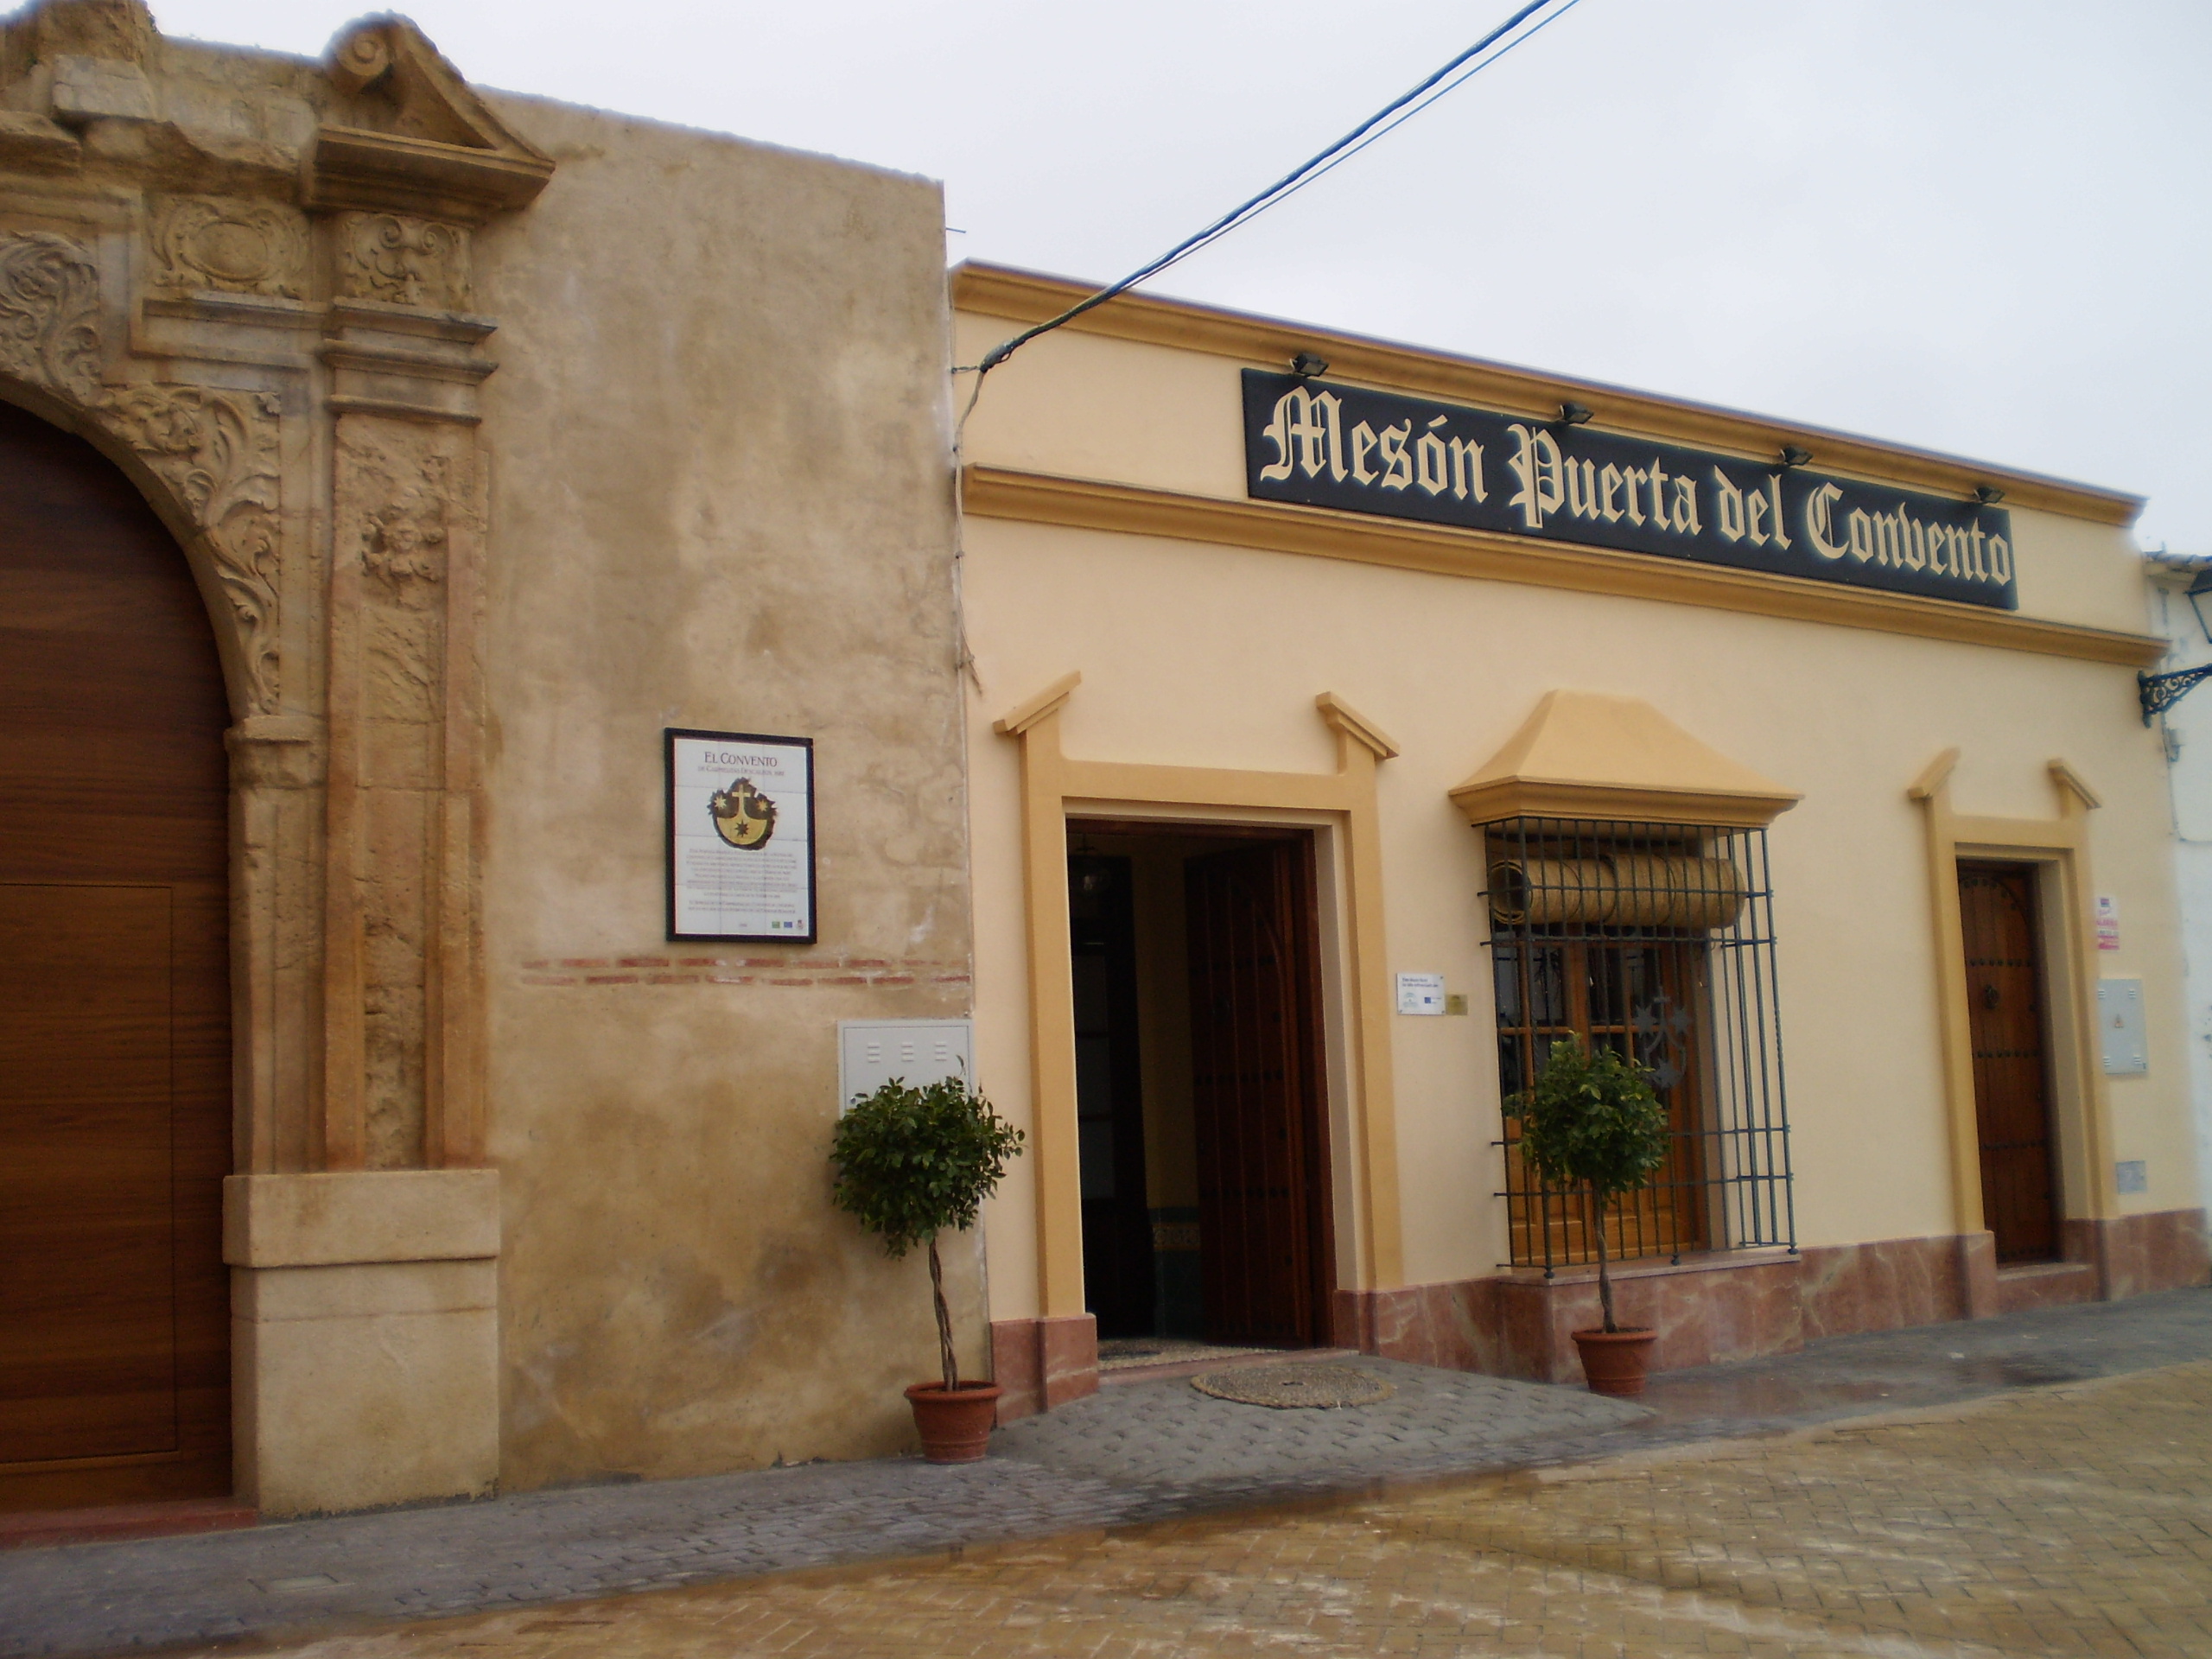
(1161, 1452)
(2073, 1520)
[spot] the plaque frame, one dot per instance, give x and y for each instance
(672, 739)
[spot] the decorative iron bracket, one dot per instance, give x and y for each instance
(2159, 692)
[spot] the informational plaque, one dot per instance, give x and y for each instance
(741, 837)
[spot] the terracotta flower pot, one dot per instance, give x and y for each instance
(955, 1427)
(1615, 1362)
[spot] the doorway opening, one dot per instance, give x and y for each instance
(1998, 912)
(1201, 1098)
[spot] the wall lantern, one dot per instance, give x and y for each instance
(1306, 366)
(1795, 456)
(1574, 415)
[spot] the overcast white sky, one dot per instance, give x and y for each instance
(1983, 226)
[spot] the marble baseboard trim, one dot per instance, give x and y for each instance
(2045, 1284)
(2164, 1249)
(1043, 1362)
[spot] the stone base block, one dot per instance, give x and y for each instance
(1043, 1362)
(364, 1338)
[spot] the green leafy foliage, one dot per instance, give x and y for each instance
(1592, 1120)
(913, 1161)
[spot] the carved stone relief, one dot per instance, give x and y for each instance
(217, 450)
(233, 246)
(49, 314)
(405, 261)
(404, 490)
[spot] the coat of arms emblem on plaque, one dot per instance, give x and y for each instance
(743, 816)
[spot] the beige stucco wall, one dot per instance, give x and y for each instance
(1209, 656)
(718, 499)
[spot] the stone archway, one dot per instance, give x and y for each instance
(265, 324)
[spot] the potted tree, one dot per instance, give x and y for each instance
(1593, 1121)
(910, 1163)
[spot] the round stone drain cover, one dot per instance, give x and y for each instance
(1285, 1387)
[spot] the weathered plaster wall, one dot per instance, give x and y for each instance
(1204, 655)
(718, 498)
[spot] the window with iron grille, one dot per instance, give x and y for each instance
(1657, 941)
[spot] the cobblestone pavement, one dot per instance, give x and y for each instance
(1136, 1453)
(2071, 1520)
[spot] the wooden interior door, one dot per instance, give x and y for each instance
(1257, 1094)
(115, 1055)
(2012, 1080)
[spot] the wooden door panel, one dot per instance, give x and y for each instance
(89, 1368)
(1256, 1095)
(115, 1050)
(2012, 1093)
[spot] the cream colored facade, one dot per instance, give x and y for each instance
(499, 436)
(1108, 537)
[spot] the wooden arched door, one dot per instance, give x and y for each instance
(115, 1042)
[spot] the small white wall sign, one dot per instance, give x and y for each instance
(870, 1053)
(1420, 994)
(2120, 1018)
(2108, 921)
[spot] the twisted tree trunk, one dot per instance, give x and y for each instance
(945, 1353)
(1598, 1202)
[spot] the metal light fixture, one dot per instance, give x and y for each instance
(1574, 415)
(1795, 456)
(1306, 366)
(2198, 590)
(1988, 494)
(2159, 692)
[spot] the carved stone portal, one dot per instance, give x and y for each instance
(234, 247)
(216, 450)
(405, 261)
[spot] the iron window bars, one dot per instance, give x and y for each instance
(1655, 940)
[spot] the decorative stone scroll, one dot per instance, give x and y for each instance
(402, 260)
(216, 450)
(232, 246)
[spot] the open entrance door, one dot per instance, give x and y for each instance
(115, 1043)
(1199, 1083)
(2011, 1068)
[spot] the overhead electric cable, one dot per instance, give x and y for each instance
(1419, 97)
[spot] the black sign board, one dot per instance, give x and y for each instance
(1323, 445)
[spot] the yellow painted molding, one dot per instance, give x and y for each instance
(1489, 556)
(1936, 773)
(2059, 847)
(1020, 718)
(1348, 721)
(2070, 781)
(1586, 754)
(1054, 785)
(1023, 296)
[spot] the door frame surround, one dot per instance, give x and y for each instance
(309, 431)
(1056, 787)
(2059, 849)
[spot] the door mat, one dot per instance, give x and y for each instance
(1289, 1387)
